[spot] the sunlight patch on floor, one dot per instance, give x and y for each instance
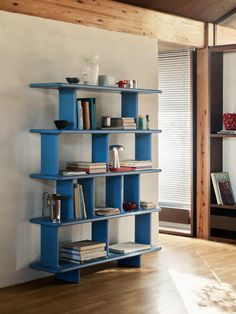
(203, 295)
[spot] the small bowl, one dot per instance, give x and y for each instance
(60, 124)
(229, 120)
(73, 80)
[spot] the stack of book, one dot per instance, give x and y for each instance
(128, 247)
(82, 251)
(107, 211)
(222, 188)
(79, 203)
(123, 123)
(86, 114)
(136, 164)
(147, 205)
(88, 167)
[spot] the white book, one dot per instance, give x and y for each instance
(128, 247)
(216, 189)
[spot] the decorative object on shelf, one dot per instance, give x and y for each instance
(129, 206)
(106, 80)
(52, 207)
(115, 160)
(147, 205)
(61, 124)
(229, 120)
(90, 70)
(222, 188)
(147, 122)
(106, 122)
(72, 80)
(141, 122)
(122, 84)
(127, 84)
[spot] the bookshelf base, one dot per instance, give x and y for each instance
(69, 271)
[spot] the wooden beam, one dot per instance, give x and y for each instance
(203, 144)
(225, 35)
(114, 16)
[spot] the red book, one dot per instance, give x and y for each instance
(121, 169)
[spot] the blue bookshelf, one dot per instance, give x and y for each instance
(119, 186)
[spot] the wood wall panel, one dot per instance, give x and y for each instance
(203, 144)
(114, 16)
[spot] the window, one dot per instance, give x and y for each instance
(175, 120)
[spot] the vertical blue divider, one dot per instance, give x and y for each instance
(100, 232)
(68, 107)
(49, 154)
(89, 195)
(114, 187)
(129, 105)
(49, 246)
(143, 146)
(100, 150)
(131, 189)
(67, 204)
(143, 228)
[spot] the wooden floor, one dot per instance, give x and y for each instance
(187, 276)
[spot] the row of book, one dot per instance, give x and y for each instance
(79, 203)
(86, 114)
(122, 123)
(82, 251)
(87, 250)
(222, 187)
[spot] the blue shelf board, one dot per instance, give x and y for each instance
(94, 88)
(69, 266)
(45, 220)
(76, 131)
(94, 175)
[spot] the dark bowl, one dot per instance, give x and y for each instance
(61, 124)
(73, 80)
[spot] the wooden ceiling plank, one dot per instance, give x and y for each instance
(114, 16)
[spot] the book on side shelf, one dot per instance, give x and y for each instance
(229, 132)
(128, 247)
(222, 187)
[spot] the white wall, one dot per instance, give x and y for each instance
(229, 101)
(40, 50)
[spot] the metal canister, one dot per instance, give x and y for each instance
(130, 83)
(135, 84)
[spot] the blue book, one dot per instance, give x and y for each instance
(79, 112)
